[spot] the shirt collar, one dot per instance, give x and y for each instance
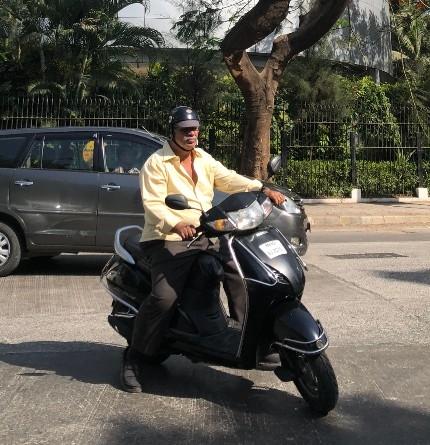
(169, 154)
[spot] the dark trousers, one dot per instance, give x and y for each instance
(171, 264)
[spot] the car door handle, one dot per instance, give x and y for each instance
(23, 183)
(110, 187)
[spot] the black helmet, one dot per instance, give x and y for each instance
(183, 117)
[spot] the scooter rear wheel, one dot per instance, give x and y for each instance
(316, 382)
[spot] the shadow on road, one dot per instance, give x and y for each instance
(177, 377)
(83, 265)
(416, 276)
(243, 412)
(364, 419)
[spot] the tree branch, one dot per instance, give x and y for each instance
(313, 25)
(243, 71)
(316, 23)
(255, 25)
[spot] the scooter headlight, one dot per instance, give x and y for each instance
(243, 219)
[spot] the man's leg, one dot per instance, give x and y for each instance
(233, 283)
(171, 264)
(170, 269)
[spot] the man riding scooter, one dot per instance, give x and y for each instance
(179, 167)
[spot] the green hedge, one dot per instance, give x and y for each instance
(323, 179)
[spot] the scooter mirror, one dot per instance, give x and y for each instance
(177, 202)
(274, 165)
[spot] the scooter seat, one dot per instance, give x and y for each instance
(134, 247)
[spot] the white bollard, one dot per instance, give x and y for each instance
(356, 195)
(423, 193)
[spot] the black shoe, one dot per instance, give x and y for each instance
(130, 373)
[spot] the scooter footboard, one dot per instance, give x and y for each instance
(296, 329)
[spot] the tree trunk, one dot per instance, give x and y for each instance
(256, 144)
(259, 88)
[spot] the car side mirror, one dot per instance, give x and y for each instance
(177, 202)
(274, 166)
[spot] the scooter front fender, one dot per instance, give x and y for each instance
(295, 329)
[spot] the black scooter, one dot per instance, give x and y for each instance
(276, 320)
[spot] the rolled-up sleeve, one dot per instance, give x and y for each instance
(227, 180)
(153, 186)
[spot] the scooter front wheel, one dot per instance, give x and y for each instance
(316, 381)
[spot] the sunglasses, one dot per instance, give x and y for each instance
(188, 129)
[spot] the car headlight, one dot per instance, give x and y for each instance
(243, 219)
(290, 206)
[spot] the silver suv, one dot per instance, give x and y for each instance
(68, 190)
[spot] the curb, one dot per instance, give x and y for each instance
(349, 220)
(363, 200)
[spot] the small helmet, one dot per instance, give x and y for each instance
(183, 117)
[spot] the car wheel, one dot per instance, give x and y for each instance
(10, 250)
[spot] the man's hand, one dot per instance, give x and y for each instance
(184, 230)
(276, 197)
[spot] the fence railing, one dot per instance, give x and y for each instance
(324, 153)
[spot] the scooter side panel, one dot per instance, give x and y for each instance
(259, 324)
(273, 250)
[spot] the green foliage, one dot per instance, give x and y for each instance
(324, 179)
(327, 117)
(373, 106)
(317, 178)
(69, 46)
(391, 178)
(411, 41)
(314, 81)
(197, 25)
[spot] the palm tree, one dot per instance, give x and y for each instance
(80, 44)
(411, 32)
(16, 36)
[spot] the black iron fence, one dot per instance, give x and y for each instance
(325, 153)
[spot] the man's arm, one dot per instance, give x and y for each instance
(229, 181)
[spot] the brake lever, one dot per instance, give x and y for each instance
(196, 238)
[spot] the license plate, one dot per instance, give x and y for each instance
(272, 249)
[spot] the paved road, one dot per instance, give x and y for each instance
(59, 360)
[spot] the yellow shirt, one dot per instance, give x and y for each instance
(163, 174)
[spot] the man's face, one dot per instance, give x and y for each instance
(186, 137)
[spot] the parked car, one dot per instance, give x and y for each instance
(68, 190)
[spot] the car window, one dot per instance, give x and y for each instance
(127, 155)
(10, 149)
(57, 153)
